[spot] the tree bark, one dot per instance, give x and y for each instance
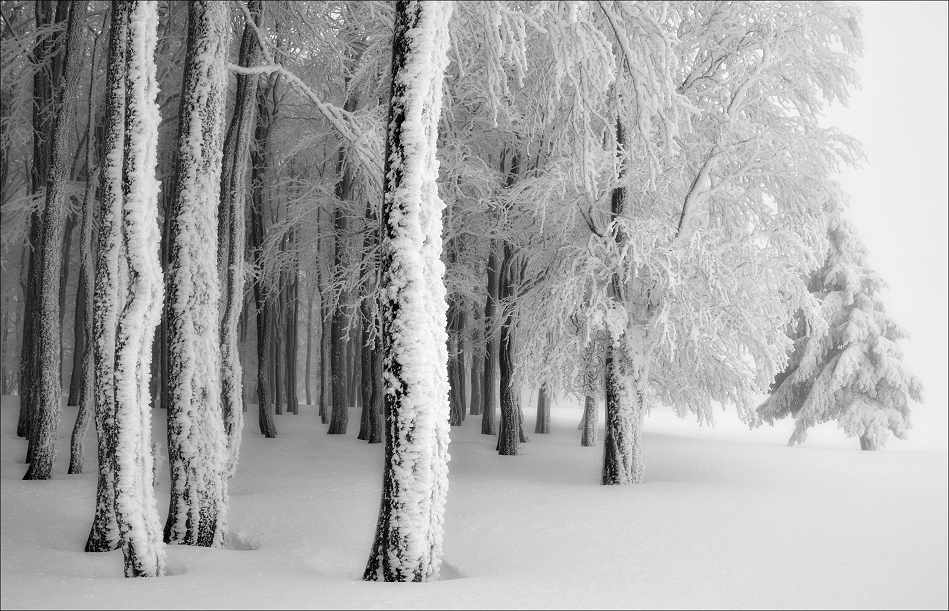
(542, 426)
(408, 540)
(198, 457)
(231, 229)
(45, 425)
(625, 376)
(46, 83)
(590, 422)
(490, 394)
(136, 510)
(261, 292)
(111, 282)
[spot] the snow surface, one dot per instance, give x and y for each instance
(726, 518)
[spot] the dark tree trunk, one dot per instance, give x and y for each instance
(308, 370)
(542, 426)
(232, 234)
(261, 298)
(86, 284)
(510, 429)
(276, 349)
(293, 404)
(365, 386)
(490, 394)
(46, 82)
(45, 426)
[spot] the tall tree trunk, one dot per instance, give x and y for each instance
(625, 376)
(46, 82)
(293, 404)
(510, 429)
(261, 292)
(276, 349)
(490, 394)
(408, 541)
(111, 285)
(475, 407)
(45, 425)
(365, 379)
(77, 373)
(198, 458)
(338, 360)
(136, 510)
(542, 426)
(231, 230)
(308, 370)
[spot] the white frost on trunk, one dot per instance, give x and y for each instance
(197, 444)
(409, 539)
(625, 376)
(135, 506)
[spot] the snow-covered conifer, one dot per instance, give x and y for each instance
(198, 457)
(408, 540)
(846, 367)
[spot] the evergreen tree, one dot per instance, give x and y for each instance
(846, 364)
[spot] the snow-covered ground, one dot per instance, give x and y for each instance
(727, 518)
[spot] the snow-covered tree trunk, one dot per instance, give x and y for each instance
(48, 386)
(135, 506)
(408, 540)
(110, 285)
(232, 235)
(198, 456)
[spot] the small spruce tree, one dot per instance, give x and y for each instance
(846, 365)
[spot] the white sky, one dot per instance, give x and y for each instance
(899, 197)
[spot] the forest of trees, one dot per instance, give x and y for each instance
(419, 209)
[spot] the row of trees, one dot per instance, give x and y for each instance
(626, 202)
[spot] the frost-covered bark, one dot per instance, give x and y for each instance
(408, 540)
(847, 365)
(622, 443)
(232, 237)
(110, 285)
(135, 506)
(624, 363)
(44, 428)
(198, 456)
